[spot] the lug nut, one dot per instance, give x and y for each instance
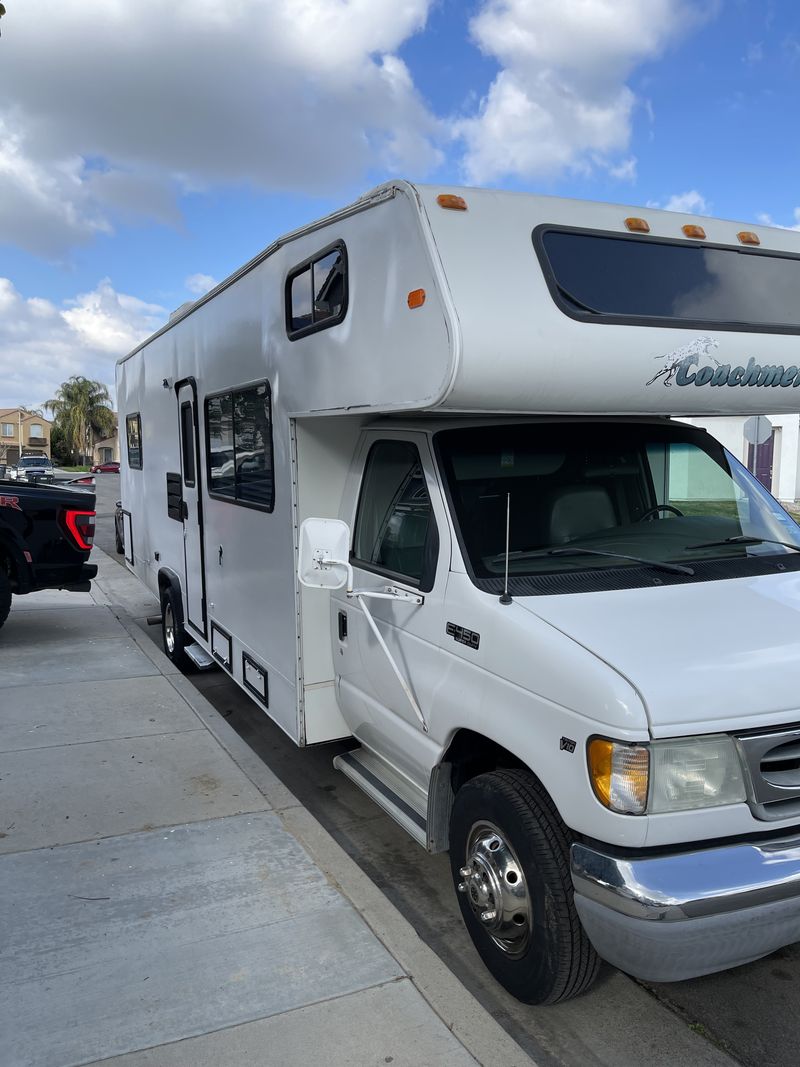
(462, 887)
(465, 872)
(488, 915)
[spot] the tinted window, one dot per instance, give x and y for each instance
(133, 425)
(252, 443)
(300, 301)
(187, 443)
(394, 511)
(316, 293)
(219, 431)
(597, 276)
(239, 445)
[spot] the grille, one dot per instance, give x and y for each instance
(773, 766)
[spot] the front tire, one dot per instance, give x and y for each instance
(172, 632)
(509, 854)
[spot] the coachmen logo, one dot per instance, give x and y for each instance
(693, 364)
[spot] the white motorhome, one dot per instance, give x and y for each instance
(410, 477)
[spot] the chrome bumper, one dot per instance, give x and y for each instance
(670, 917)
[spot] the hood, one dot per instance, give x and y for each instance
(705, 658)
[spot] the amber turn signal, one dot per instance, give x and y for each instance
(416, 298)
(638, 225)
(620, 775)
(694, 231)
(747, 237)
(450, 200)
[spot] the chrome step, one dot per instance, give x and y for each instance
(400, 798)
(199, 657)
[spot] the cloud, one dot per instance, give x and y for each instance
(42, 344)
(561, 99)
(112, 110)
(690, 203)
(766, 220)
(199, 284)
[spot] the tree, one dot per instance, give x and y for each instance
(82, 412)
(59, 449)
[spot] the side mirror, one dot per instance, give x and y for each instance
(322, 557)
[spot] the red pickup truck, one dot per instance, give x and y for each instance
(46, 535)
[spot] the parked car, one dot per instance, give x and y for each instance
(80, 481)
(46, 535)
(31, 469)
(109, 467)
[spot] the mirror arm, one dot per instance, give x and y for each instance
(325, 561)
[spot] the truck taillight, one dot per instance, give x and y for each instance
(79, 526)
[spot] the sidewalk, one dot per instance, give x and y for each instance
(166, 901)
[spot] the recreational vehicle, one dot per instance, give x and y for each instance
(413, 477)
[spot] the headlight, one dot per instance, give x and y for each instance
(695, 772)
(679, 775)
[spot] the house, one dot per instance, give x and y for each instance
(775, 462)
(22, 433)
(107, 449)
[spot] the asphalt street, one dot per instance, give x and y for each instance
(747, 1015)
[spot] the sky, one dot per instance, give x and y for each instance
(147, 150)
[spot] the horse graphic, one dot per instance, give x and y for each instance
(692, 353)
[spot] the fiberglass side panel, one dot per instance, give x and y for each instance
(521, 351)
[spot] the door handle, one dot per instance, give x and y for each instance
(184, 510)
(342, 625)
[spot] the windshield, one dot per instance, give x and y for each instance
(34, 461)
(661, 493)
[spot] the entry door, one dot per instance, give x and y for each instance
(399, 540)
(760, 460)
(194, 571)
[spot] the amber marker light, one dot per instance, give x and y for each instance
(416, 298)
(638, 225)
(620, 775)
(747, 237)
(697, 232)
(451, 201)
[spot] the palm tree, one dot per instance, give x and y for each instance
(82, 410)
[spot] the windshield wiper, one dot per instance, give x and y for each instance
(672, 568)
(743, 539)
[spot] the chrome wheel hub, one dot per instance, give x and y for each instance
(495, 886)
(169, 629)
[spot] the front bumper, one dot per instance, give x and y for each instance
(670, 917)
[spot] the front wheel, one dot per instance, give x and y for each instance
(509, 854)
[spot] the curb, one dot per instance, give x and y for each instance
(476, 1029)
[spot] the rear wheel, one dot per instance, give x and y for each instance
(172, 628)
(509, 853)
(5, 593)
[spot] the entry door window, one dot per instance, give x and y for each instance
(395, 525)
(187, 443)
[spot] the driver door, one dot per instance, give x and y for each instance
(400, 542)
